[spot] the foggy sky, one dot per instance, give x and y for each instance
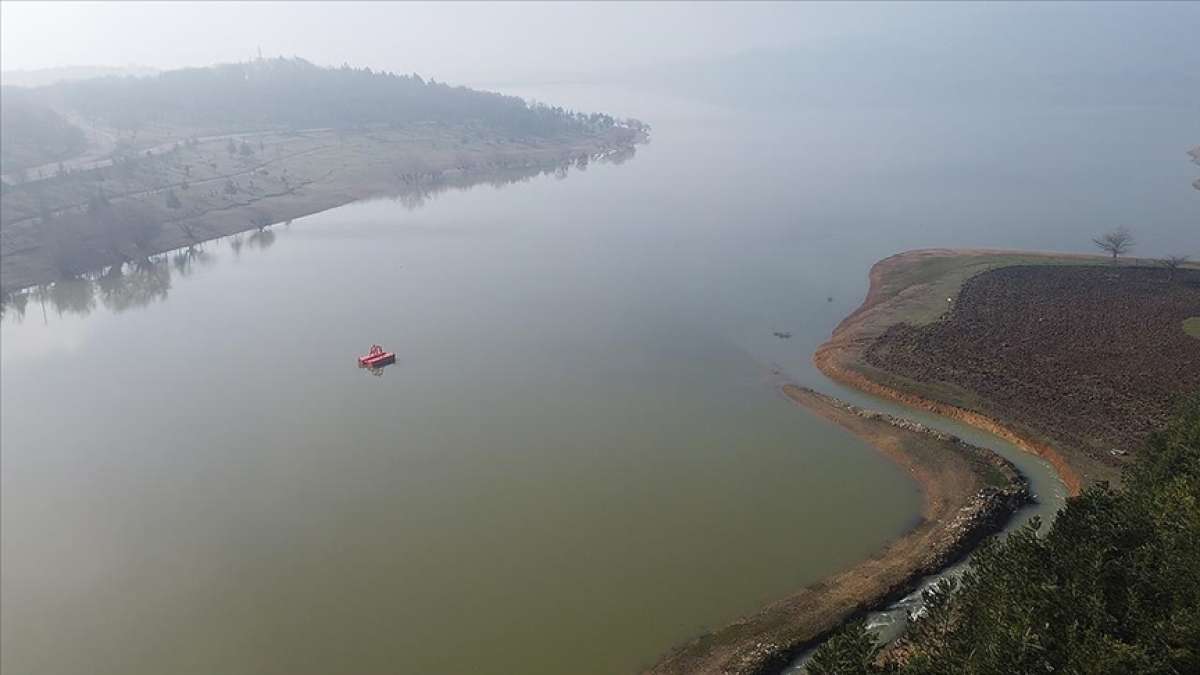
(492, 42)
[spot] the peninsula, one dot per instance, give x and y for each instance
(1071, 357)
(1067, 356)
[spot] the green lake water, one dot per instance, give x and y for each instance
(580, 458)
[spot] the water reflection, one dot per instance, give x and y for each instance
(261, 239)
(117, 288)
(135, 285)
(417, 190)
(142, 282)
(186, 260)
(375, 372)
(74, 296)
(16, 304)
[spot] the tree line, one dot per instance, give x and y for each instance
(296, 93)
(33, 133)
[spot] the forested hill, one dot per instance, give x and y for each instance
(297, 92)
(32, 133)
(270, 94)
(110, 170)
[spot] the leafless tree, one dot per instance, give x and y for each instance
(1118, 242)
(1172, 263)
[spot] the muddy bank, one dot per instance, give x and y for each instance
(917, 287)
(968, 493)
(829, 362)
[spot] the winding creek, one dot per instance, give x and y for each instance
(1050, 493)
(581, 456)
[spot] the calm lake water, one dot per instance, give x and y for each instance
(581, 456)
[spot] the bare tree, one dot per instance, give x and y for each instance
(1172, 263)
(1118, 242)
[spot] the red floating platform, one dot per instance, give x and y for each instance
(377, 358)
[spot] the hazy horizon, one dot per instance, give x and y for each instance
(483, 43)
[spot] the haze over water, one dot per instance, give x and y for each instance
(580, 458)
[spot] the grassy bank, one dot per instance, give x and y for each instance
(1191, 326)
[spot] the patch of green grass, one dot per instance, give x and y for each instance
(994, 477)
(927, 284)
(1192, 326)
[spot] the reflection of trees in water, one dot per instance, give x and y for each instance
(15, 303)
(140, 283)
(118, 288)
(145, 281)
(261, 239)
(71, 296)
(187, 260)
(135, 285)
(125, 286)
(416, 192)
(619, 156)
(414, 198)
(68, 296)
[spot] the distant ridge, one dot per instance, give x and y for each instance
(46, 124)
(41, 77)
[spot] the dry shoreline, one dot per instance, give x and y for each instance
(968, 493)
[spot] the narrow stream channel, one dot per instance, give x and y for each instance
(1048, 490)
